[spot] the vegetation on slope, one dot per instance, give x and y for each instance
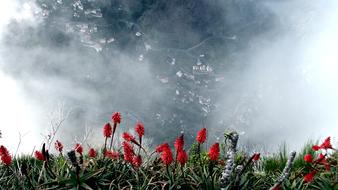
(131, 166)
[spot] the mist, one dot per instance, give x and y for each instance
(266, 69)
(287, 93)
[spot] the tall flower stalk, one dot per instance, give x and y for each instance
(180, 153)
(139, 129)
(200, 138)
(107, 133)
(116, 119)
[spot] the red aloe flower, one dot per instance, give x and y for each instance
(3, 151)
(321, 160)
(58, 146)
(78, 148)
(128, 137)
(116, 117)
(326, 144)
(309, 177)
(38, 155)
(162, 147)
(201, 136)
(256, 156)
(137, 161)
(112, 155)
(214, 152)
(107, 130)
(308, 158)
(6, 159)
(179, 143)
(167, 157)
(315, 147)
(182, 157)
(128, 152)
(92, 153)
(139, 128)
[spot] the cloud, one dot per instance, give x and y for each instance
(269, 67)
(286, 92)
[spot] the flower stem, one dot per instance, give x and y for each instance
(112, 138)
(105, 146)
